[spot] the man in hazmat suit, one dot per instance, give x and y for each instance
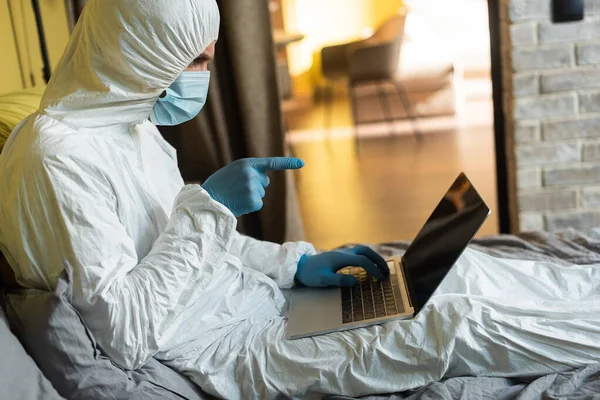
(158, 270)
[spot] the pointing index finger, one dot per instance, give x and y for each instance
(276, 163)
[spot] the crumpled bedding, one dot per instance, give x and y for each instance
(490, 317)
(565, 248)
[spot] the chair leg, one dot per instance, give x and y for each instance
(318, 95)
(385, 107)
(327, 108)
(354, 108)
(410, 109)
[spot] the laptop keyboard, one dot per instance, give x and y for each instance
(369, 299)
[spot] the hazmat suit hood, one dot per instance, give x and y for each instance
(122, 55)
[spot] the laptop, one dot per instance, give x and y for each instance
(413, 278)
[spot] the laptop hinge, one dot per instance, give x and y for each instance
(410, 303)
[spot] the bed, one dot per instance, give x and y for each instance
(94, 375)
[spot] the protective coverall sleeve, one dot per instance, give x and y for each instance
(278, 262)
(130, 305)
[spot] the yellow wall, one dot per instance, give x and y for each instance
(324, 23)
(10, 72)
(56, 26)
(380, 10)
(20, 34)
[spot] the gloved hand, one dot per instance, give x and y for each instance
(320, 270)
(240, 186)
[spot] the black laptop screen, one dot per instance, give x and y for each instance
(446, 234)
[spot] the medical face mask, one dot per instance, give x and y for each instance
(184, 100)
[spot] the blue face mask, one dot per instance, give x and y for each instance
(184, 100)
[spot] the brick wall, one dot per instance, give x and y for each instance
(551, 76)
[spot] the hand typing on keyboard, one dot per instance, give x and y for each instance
(321, 270)
(369, 299)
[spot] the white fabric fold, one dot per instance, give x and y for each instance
(282, 261)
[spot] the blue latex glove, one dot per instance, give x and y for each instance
(320, 270)
(240, 186)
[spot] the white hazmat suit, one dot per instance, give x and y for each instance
(88, 184)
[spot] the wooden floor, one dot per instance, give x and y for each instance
(387, 190)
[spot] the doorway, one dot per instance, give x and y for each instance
(378, 181)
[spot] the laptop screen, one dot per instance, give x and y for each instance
(440, 243)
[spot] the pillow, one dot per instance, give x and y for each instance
(15, 107)
(20, 378)
(54, 334)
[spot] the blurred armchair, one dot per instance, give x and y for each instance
(372, 60)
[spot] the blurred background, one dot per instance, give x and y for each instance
(387, 101)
